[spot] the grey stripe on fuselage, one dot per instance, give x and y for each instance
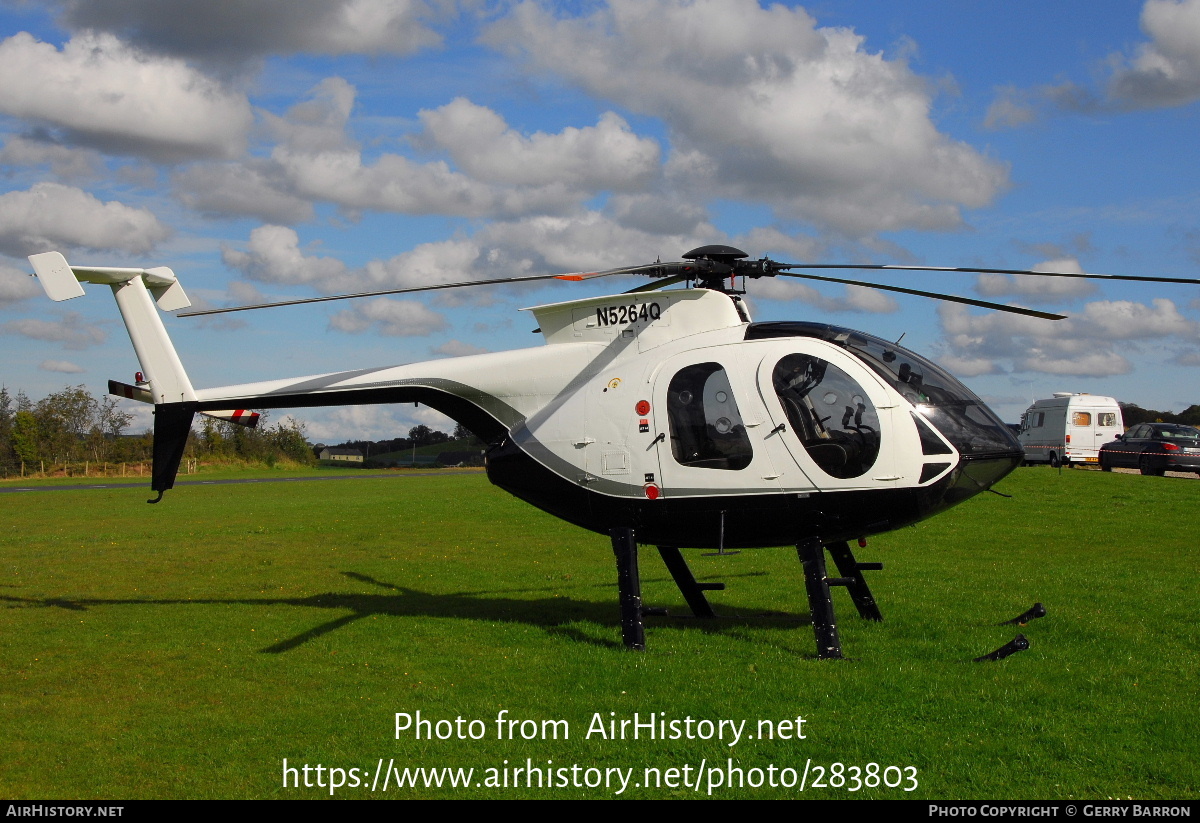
(325, 381)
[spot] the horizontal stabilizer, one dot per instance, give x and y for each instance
(242, 417)
(61, 280)
(139, 393)
(136, 292)
(56, 276)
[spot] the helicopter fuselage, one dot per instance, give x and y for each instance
(670, 413)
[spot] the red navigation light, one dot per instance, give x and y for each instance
(652, 491)
(642, 407)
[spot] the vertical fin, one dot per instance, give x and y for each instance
(172, 423)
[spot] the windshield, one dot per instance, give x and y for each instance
(938, 397)
(1177, 432)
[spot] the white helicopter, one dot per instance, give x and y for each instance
(658, 416)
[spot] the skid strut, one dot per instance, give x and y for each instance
(693, 591)
(629, 584)
(851, 577)
(820, 603)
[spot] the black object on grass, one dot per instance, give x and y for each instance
(1038, 610)
(1017, 644)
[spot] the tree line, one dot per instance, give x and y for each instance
(1134, 414)
(418, 436)
(462, 444)
(72, 427)
(69, 426)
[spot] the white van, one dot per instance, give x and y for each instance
(1069, 428)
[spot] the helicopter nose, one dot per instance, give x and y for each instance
(978, 474)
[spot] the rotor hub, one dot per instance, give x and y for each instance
(717, 253)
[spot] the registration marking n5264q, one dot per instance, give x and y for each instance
(628, 313)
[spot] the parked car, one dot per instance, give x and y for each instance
(1154, 448)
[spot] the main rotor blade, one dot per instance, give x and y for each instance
(660, 283)
(572, 276)
(935, 295)
(969, 270)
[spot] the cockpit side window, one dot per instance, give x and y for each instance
(707, 430)
(830, 414)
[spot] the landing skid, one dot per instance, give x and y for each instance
(816, 581)
(820, 603)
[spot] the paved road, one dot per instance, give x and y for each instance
(145, 484)
(1168, 474)
(1132, 471)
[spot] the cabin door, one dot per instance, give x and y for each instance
(831, 415)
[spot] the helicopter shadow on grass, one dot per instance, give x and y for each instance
(555, 615)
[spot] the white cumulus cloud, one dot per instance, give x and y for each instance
(1163, 71)
(456, 348)
(224, 32)
(52, 215)
(17, 285)
(252, 189)
(764, 105)
(72, 331)
(1166, 70)
(1047, 288)
(62, 366)
(105, 94)
(274, 255)
(607, 156)
(1091, 343)
(392, 318)
(853, 299)
(65, 162)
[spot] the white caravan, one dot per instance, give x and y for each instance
(1069, 428)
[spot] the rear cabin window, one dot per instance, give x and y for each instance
(830, 414)
(1106, 420)
(1081, 419)
(707, 431)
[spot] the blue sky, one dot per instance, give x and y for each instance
(285, 149)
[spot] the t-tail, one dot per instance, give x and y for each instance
(165, 382)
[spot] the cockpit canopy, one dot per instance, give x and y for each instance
(937, 397)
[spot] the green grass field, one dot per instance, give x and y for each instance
(186, 649)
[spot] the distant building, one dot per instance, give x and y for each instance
(341, 455)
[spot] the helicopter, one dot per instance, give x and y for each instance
(658, 416)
